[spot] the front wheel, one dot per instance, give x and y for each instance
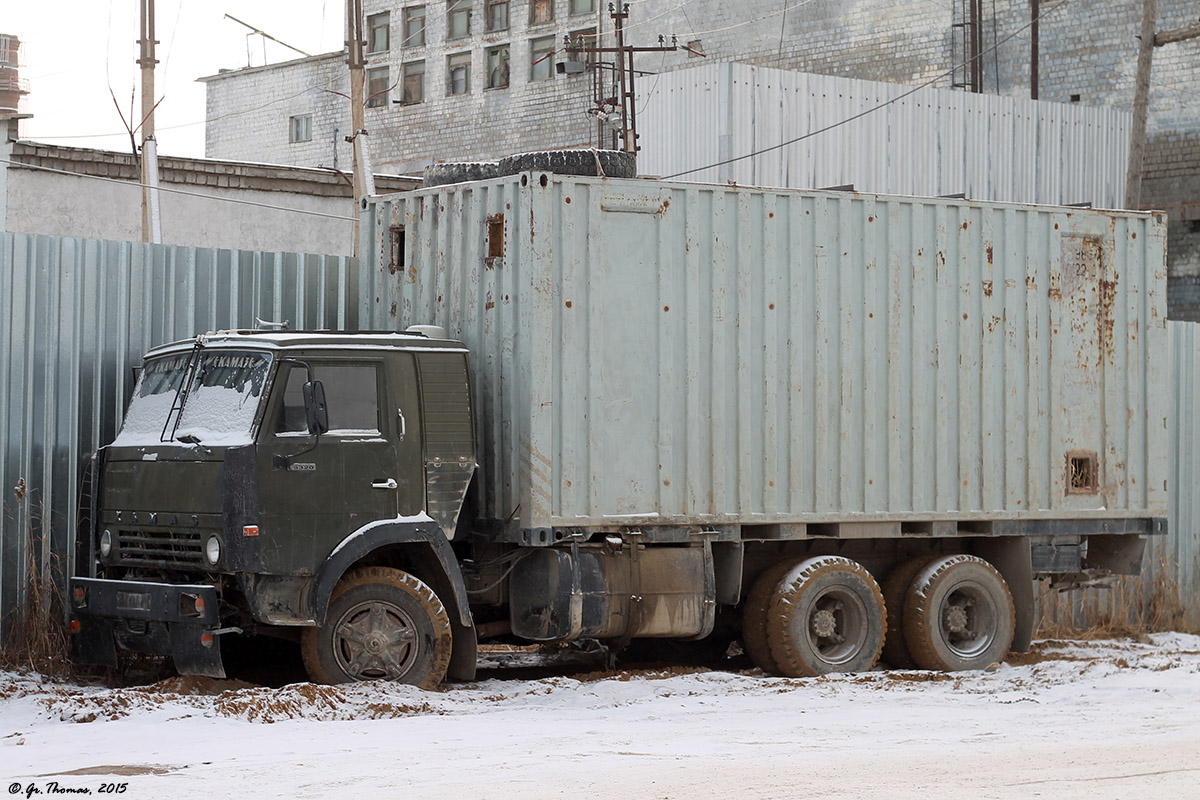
(383, 624)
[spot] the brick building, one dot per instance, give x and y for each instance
(473, 79)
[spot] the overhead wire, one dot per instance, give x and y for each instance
(205, 121)
(873, 109)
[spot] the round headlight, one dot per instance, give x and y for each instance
(105, 543)
(212, 549)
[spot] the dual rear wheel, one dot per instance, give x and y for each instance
(827, 614)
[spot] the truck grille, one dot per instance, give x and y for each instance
(161, 548)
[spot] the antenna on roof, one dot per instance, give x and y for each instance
(262, 324)
(265, 35)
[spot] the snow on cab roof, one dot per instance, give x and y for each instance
(286, 339)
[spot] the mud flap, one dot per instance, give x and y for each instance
(1012, 557)
(94, 644)
(196, 652)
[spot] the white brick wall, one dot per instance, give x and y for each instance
(1085, 50)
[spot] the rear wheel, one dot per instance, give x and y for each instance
(383, 624)
(827, 616)
(958, 615)
(895, 589)
(754, 616)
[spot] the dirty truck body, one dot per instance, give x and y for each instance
(830, 425)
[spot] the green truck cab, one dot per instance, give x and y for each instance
(306, 480)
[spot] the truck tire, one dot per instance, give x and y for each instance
(895, 590)
(958, 615)
(383, 624)
(828, 616)
(612, 163)
(754, 616)
(443, 174)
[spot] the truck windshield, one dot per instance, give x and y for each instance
(223, 393)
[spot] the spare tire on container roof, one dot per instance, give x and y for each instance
(442, 174)
(609, 163)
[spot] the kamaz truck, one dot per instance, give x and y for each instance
(841, 428)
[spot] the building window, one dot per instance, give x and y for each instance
(541, 59)
(300, 128)
(541, 11)
(458, 73)
(497, 15)
(583, 6)
(414, 26)
(458, 19)
(497, 67)
(378, 27)
(414, 82)
(378, 83)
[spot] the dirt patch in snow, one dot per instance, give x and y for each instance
(126, 770)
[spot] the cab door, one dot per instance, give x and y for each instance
(311, 498)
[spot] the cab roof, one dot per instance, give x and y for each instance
(308, 340)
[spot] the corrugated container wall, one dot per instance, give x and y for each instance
(76, 315)
(656, 352)
(1166, 596)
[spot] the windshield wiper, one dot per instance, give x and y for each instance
(182, 391)
(192, 439)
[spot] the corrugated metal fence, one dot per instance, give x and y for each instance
(926, 142)
(76, 316)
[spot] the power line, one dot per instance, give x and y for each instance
(177, 191)
(862, 114)
(311, 87)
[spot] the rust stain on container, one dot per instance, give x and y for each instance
(987, 285)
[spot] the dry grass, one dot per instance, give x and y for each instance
(35, 634)
(1132, 606)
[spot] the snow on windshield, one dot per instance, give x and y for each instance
(225, 390)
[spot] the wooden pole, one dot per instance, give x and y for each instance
(1141, 105)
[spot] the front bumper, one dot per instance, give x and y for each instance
(176, 620)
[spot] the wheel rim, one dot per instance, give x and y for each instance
(837, 625)
(967, 620)
(375, 640)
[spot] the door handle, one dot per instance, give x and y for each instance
(390, 483)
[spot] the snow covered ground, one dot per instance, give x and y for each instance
(1072, 719)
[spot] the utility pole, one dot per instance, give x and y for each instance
(357, 138)
(1036, 14)
(626, 124)
(1141, 93)
(151, 229)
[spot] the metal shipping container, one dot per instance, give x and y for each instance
(649, 353)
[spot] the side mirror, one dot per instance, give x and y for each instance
(314, 407)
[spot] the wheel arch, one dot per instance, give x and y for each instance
(420, 549)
